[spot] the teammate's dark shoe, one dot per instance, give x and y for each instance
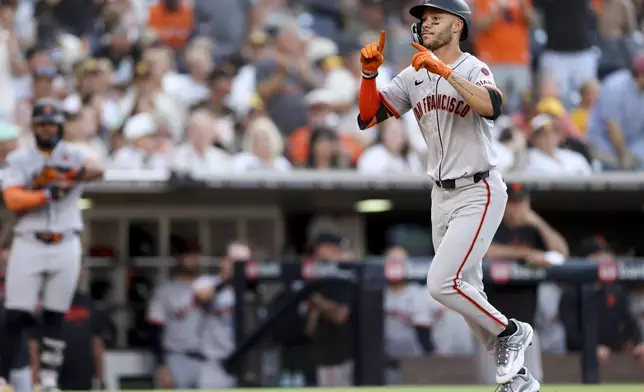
(510, 352)
(523, 382)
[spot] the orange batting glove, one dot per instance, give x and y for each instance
(428, 60)
(372, 56)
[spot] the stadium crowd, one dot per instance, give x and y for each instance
(237, 85)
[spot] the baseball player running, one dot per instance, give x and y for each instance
(42, 185)
(453, 96)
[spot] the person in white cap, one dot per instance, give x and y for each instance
(140, 151)
(546, 158)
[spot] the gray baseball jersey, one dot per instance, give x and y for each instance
(172, 305)
(405, 310)
(459, 141)
(24, 165)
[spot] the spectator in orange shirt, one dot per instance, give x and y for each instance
(320, 112)
(502, 41)
(173, 21)
(579, 115)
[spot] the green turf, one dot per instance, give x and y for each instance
(545, 388)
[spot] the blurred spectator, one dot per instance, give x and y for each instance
(220, 85)
(326, 17)
(225, 22)
(370, 20)
(43, 78)
(36, 57)
(616, 124)
(391, 152)
(8, 141)
(122, 50)
(325, 151)
(172, 21)
(284, 78)
(527, 110)
(579, 115)
(192, 87)
(141, 148)
(618, 329)
(244, 85)
(12, 62)
(569, 55)
(546, 158)
(510, 145)
(82, 128)
(197, 156)
(526, 237)
(77, 17)
(407, 319)
(263, 147)
(320, 114)
(616, 22)
(502, 41)
(571, 138)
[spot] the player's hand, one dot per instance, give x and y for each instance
(373, 55)
(424, 58)
(204, 294)
(164, 377)
(603, 354)
(60, 189)
(537, 259)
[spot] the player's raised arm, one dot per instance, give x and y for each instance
(377, 106)
(481, 95)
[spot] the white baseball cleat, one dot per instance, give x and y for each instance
(510, 352)
(522, 382)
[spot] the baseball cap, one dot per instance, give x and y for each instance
(541, 122)
(142, 70)
(594, 244)
(225, 71)
(516, 191)
(551, 106)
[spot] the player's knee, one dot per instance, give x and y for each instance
(437, 285)
(17, 320)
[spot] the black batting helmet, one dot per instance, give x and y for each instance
(48, 111)
(459, 8)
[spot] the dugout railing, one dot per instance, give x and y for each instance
(369, 327)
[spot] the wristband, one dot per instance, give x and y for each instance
(369, 76)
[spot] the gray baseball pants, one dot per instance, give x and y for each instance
(464, 221)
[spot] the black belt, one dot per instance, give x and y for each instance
(49, 238)
(451, 184)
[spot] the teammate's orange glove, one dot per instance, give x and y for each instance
(424, 58)
(372, 56)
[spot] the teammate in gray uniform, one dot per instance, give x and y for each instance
(176, 323)
(218, 338)
(455, 101)
(42, 185)
(407, 320)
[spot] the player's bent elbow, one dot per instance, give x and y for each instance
(366, 124)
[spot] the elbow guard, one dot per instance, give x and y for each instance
(497, 104)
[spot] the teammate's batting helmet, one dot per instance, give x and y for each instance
(48, 111)
(456, 7)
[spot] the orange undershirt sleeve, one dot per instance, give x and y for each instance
(368, 99)
(18, 199)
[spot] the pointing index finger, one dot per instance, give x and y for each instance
(381, 41)
(418, 46)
